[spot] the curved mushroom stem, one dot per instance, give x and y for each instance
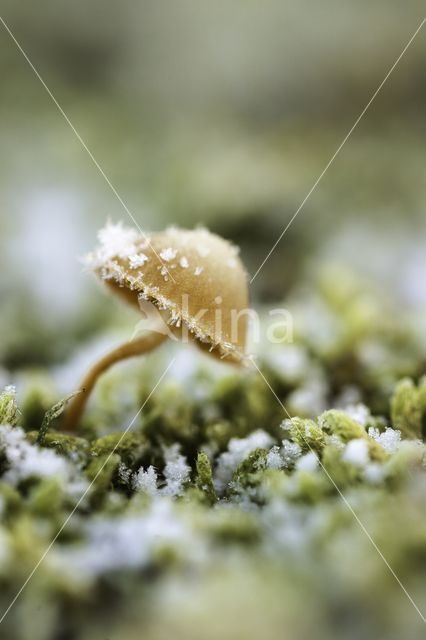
(130, 349)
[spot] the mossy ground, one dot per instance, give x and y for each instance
(217, 515)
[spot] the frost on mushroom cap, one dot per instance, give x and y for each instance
(194, 275)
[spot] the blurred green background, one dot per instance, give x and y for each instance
(218, 113)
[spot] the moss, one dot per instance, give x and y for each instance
(100, 472)
(408, 407)
(129, 446)
(64, 444)
(204, 478)
(306, 433)
(9, 413)
(338, 423)
(247, 473)
(46, 498)
(234, 526)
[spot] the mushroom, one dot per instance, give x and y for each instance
(193, 279)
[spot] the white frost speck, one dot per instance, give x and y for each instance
(198, 271)
(390, 439)
(356, 452)
(184, 262)
(308, 462)
(137, 260)
(168, 254)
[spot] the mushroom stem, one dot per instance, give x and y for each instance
(146, 343)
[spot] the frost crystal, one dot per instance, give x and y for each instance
(290, 452)
(356, 452)
(115, 241)
(273, 459)
(390, 439)
(198, 271)
(146, 481)
(184, 262)
(176, 471)
(137, 260)
(168, 254)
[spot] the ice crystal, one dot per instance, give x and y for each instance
(198, 271)
(274, 459)
(137, 260)
(176, 471)
(390, 439)
(184, 262)
(168, 254)
(146, 481)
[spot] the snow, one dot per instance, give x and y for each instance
(176, 471)
(308, 462)
(129, 542)
(176, 475)
(290, 452)
(358, 412)
(356, 452)
(238, 450)
(274, 459)
(146, 481)
(27, 461)
(168, 254)
(390, 439)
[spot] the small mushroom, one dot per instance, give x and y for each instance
(193, 278)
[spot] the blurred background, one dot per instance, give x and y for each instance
(219, 113)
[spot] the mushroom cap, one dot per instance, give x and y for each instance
(195, 277)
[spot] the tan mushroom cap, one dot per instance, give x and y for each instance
(194, 276)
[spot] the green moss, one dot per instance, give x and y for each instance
(100, 472)
(204, 478)
(64, 444)
(247, 473)
(9, 413)
(129, 446)
(306, 433)
(46, 498)
(338, 423)
(408, 407)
